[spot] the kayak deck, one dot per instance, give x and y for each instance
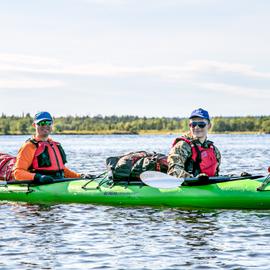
(240, 194)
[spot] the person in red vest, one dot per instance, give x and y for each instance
(192, 155)
(40, 158)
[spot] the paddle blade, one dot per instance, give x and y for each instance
(160, 180)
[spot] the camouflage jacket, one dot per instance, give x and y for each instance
(180, 163)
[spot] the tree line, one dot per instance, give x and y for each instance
(131, 124)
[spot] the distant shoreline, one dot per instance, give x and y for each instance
(151, 132)
(99, 125)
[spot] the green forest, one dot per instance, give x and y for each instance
(132, 124)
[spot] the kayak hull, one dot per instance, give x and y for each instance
(240, 194)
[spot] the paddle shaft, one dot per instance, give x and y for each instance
(220, 179)
(31, 182)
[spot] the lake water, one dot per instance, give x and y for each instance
(106, 237)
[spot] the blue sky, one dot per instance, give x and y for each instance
(135, 57)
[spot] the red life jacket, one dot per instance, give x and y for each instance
(49, 157)
(205, 158)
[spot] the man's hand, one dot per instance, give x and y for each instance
(87, 176)
(203, 177)
(43, 179)
(245, 174)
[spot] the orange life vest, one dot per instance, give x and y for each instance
(204, 159)
(49, 158)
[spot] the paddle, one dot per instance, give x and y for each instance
(31, 182)
(161, 180)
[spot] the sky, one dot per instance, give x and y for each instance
(135, 57)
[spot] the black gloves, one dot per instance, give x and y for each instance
(43, 179)
(245, 174)
(87, 176)
(203, 177)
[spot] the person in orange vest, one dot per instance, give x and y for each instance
(40, 158)
(192, 154)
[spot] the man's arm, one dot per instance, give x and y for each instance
(24, 161)
(70, 174)
(177, 158)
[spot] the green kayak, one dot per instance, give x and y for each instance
(240, 194)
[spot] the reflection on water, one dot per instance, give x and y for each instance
(106, 237)
(97, 237)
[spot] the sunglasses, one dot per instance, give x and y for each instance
(199, 124)
(44, 123)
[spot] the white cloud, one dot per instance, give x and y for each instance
(203, 72)
(236, 90)
(32, 64)
(29, 83)
(106, 2)
(152, 2)
(26, 59)
(223, 67)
